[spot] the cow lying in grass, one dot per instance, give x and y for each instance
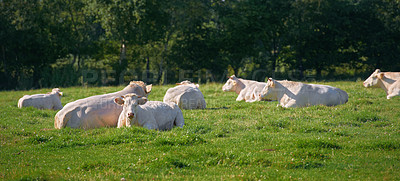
(247, 90)
(388, 81)
(51, 100)
(296, 94)
(97, 111)
(186, 95)
(148, 114)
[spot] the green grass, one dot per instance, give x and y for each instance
(229, 140)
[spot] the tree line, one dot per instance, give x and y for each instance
(48, 43)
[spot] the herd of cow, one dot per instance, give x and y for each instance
(130, 106)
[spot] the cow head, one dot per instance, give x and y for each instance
(129, 103)
(57, 92)
(374, 78)
(186, 82)
(140, 84)
(267, 90)
(230, 84)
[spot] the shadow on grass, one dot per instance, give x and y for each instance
(217, 108)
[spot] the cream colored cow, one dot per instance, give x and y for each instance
(373, 80)
(137, 111)
(51, 100)
(296, 94)
(186, 95)
(97, 111)
(388, 81)
(247, 90)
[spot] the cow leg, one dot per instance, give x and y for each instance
(291, 103)
(392, 95)
(394, 92)
(150, 125)
(239, 98)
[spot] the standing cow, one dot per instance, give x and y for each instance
(51, 100)
(296, 94)
(186, 95)
(388, 81)
(97, 111)
(148, 114)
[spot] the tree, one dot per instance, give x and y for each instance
(31, 43)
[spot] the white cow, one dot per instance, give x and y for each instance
(148, 114)
(296, 94)
(247, 90)
(388, 81)
(51, 100)
(373, 81)
(97, 111)
(186, 95)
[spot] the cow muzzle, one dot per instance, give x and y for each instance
(131, 115)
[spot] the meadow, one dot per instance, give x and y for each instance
(229, 140)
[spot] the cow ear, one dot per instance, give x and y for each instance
(148, 88)
(234, 83)
(381, 75)
(178, 84)
(119, 101)
(142, 100)
(60, 93)
(272, 82)
(197, 85)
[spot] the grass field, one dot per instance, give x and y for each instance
(229, 140)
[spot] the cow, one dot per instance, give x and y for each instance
(388, 81)
(296, 94)
(51, 100)
(186, 95)
(97, 111)
(153, 115)
(247, 90)
(373, 80)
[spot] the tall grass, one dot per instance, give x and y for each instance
(229, 140)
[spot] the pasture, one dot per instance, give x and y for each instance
(229, 140)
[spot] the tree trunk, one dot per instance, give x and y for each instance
(122, 56)
(319, 73)
(148, 69)
(73, 60)
(79, 62)
(300, 68)
(236, 71)
(274, 55)
(36, 77)
(119, 77)
(161, 69)
(6, 82)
